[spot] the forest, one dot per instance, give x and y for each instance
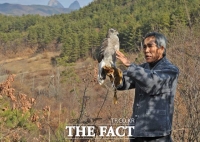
(70, 90)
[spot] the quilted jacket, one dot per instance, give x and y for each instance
(154, 97)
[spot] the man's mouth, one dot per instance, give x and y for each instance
(147, 56)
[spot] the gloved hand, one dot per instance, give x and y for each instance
(115, 75)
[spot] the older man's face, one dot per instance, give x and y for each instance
(151, 52)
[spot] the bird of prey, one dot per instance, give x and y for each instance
(107, 56)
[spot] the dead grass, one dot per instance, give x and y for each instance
(29, 64)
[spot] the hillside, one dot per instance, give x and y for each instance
(19, 10)
(84, 29)
(60, 89)
(66, 89)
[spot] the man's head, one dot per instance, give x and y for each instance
(154, 46)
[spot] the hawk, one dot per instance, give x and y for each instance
(107, 56)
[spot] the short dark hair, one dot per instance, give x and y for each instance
(160, 40)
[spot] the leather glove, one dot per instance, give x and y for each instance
(115, 75)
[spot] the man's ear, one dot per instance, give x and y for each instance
(162, 50)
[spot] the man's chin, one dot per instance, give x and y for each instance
(148, 61)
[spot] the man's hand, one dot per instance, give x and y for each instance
(115, 75)
(123, 59)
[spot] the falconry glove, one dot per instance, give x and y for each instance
(115, 75)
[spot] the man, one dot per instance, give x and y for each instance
(155, 85)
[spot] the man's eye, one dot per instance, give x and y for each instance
(144, 46)
(149, 45)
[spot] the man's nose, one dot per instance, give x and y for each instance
(146, 50)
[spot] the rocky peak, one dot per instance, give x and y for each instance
(75, 5)
(55, 3)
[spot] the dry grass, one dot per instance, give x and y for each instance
(29, 64)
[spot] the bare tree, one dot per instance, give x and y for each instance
(184, 53)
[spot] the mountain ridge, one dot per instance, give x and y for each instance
(19, 10)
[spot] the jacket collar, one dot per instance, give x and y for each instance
(157, 63)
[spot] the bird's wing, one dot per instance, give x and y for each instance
(104, 45)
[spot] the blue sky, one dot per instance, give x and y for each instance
(65, 3)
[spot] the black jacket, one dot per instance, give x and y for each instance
(154, 97)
